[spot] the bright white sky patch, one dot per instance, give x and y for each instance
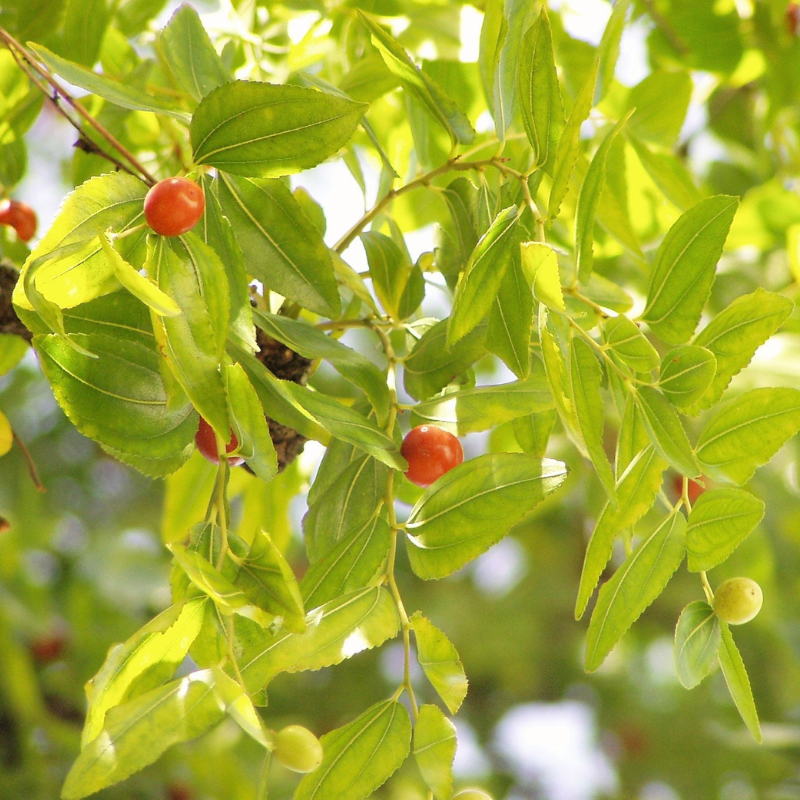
(553, 746)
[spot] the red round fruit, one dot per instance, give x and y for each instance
(47, 649)
(20, 216)
(206, 443)
(430, 452)
(174, 206)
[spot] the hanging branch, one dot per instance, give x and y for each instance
(42, 78)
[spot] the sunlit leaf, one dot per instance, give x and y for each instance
(440, 662)
(434, 750)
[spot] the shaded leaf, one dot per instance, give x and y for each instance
(435, 749)
(697, 639)
(684, 268)
(629, 344)
(639, 580)
(735, 674)
(686, 373)
(440, 662)
(361, 756)
(746, 433)
(718, 523)
(473, 506)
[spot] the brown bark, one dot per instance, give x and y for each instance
(9, 321)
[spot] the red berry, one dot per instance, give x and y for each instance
(47, 649)
(206, 443)
(694, 491)
(792, 19)
(178, 791)
(174, 206)
(430, 452)
(20, 216)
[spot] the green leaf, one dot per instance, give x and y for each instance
(686, 373)
(666, 431)
(480, 282)
(398, 283)
(334, 631)
(557, 371)
(607, 294)
(353, 563)
(569, 146)
(218, 234)
(269, 582)
(639, 580)
(185, 46)
(540, 94)
(282, 247)
(440, 662)
(508, 334)
(636, 491)
(435, 749)
(347, 424)
(113, 201)
(540, 265)
(85, 24)
(473, 506)
(734, 335)
(518, 15)
(137, 733)
(249, 423)
(746, 433)
(608, 49)
(143, 662)
(669, 175)
(137, 284)
(589, 200)
(684, 268)
(738, 683)
(479, 409)
(697, 640)
(228, 597)
(346, 505)
(116, 92)
(192, 343)
(361, 756)
(277, 400)
(419, 84)
(432, 364)
(493, 37)
(119, 398)
(585, 378)
(629, 344)
(720, 521)
(186, 496)
(532, 432)
(12, 351)
(660, 102)
(263, 130)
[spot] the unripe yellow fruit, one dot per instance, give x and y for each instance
(472, 794)
(297, 749)
(738, 600)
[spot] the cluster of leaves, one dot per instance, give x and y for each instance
(139, 334)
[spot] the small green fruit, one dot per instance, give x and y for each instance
(738, 600)
(472, 794)
(297, 749)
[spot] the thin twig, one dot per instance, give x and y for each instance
(26, 454)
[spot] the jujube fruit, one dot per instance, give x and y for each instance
(174, 206)
(430, 452)
(297, 749)
(738, 600)
(20, 216)
(206, 443)
(48, 649)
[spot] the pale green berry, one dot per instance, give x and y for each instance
(472, 794)
(738, 600)
(297, 749)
